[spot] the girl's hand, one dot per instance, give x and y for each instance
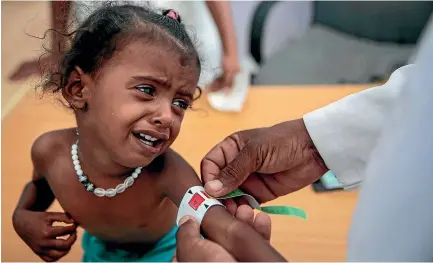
(190, 246)
(37, 231)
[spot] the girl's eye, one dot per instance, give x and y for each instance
(181, 104)
(146, 89)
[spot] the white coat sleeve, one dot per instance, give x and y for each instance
(345, 132)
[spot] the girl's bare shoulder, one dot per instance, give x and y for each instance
(48, 147)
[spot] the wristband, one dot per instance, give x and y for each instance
(195, 203)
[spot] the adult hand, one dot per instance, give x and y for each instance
(265, 162)
(224, 82)
(37, 231)
(191, 247)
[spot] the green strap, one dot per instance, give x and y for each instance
(276, 210)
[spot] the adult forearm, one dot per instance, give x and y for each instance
(59, 19)
(221, 14)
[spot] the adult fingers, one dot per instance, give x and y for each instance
(261, 222)
(234, 173)
(228, 80)
(218, 158)
(243, 200)
(216, 85)
(231, 206)
(188, 232)
(190, 246)
(245, 214)
(263, 225)
(257, 187)
(246, 244)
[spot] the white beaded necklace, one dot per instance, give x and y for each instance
(90, 187)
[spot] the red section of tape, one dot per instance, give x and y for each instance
(196, 201)
(205, 194)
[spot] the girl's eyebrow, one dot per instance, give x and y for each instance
(185, 93)
(160, 80)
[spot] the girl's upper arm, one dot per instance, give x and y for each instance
(42, 153)
(177, 176)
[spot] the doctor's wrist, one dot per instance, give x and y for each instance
(312, 155)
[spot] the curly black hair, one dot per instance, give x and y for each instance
(110, 27)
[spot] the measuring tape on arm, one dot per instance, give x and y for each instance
(276, 210)
(196, 202)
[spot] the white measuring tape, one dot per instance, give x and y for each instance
(195, 203)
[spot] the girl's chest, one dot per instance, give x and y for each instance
(140, 207)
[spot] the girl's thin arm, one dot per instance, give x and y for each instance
(221, 14)
(37, 194)
(241, 240)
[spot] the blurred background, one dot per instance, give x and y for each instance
(304, 54)
(285, 42)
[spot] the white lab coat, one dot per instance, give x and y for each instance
(383, 137)
(346, 131)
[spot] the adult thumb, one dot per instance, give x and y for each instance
(187, 236)
(234, 174)
(188, 229)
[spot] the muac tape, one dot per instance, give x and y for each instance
(276, 210)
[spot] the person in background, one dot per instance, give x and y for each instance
(381, 137)
(210, 22)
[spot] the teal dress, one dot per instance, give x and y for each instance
(97, 250)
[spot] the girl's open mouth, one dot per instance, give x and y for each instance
(148, 140)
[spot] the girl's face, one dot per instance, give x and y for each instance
(137, 101)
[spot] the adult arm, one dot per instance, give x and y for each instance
(277, 160)
(393, 218)
(60, 11)
(346, 131)
(221, 14)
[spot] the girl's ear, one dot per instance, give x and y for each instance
(76, 91)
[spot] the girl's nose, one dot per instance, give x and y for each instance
(163, 117)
